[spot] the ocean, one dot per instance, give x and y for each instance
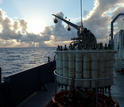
(14, 60)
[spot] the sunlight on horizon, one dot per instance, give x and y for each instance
(35, 27)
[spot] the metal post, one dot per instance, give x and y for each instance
(112, 34)
(96, 93)
(0, 75)
(103, 98)
(55, 85)
(109, 92)
(1, 102)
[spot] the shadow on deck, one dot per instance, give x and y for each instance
(41, 98)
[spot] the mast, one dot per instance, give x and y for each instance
(81, 13)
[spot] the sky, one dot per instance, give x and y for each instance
(29, 23)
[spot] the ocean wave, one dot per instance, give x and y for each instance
(20, 59)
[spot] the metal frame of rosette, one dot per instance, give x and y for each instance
(85, 79)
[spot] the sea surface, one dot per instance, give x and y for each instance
(14, 60)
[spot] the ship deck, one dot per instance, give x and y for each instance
(41, 98)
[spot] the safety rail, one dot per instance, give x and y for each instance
(82, 79)
(18, 87)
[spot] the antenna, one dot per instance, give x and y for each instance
(81, 12)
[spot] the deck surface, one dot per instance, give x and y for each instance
(117, 89)
(41, 98)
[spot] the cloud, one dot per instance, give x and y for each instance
(17, 30)
(59, 31)
(120, 21)
(0, 1)
(97, 20)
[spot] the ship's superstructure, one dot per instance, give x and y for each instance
(119, 47)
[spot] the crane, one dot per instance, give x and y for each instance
(112, 43)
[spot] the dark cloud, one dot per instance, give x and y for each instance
(16, 25)
(119, 21)
(23, 24)
(59, 31)
(17, 30)
(97, 20)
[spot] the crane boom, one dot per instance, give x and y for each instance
(69, 23)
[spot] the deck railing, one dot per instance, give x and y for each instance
(17, 87)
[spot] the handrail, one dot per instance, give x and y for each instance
(86, 79)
